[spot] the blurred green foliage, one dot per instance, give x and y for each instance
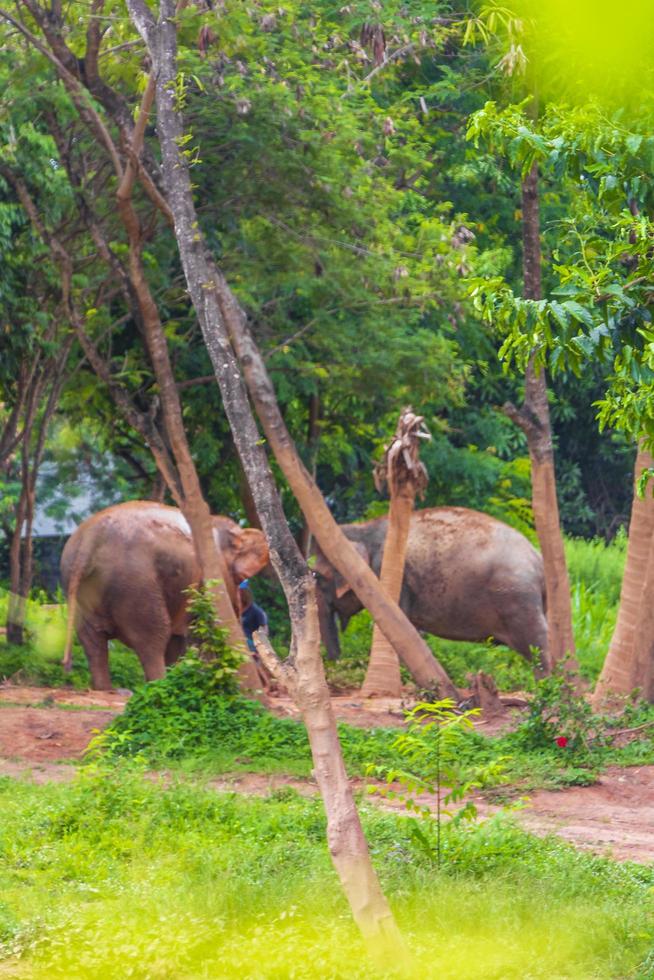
(155, 878)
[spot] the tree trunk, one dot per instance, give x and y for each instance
(534, 419)
(620, 674)
(347, 843)
(186, 490)
(643, 640)
(313, 439)
(193, 505)
(52, 372)
(17, 599)
(338, 550)
(383, 674)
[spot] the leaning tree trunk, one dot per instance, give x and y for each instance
(305, 674)
(534, 419)
(406, 476)
(193, 504)
(336, 547)
(620, 673)
(313, 442)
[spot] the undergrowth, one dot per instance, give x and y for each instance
(185, 720)
(116, 876)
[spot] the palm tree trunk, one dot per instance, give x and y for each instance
(534, 419)
(383, 674)
(619, 674)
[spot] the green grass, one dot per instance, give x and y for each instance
(38, 662)
(184, 722)
(116, 876)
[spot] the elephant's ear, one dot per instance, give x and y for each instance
(250, 550)
(342, 586)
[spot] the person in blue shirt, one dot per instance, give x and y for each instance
(252, 616)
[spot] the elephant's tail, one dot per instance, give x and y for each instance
(70, 625)
(76, 572)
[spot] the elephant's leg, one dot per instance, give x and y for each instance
(525, 630)
(96, 648)
(151, 651)
(175, 649)
(145, 627)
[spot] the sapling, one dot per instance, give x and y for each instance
(436, 775)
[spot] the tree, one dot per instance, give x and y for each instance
(123, 155)
(602, 312)
(304, 674)
(533, 418)
(621, 671)
(406, 478)
(36, 361)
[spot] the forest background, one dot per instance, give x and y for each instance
(350, 216)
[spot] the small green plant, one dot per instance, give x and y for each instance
(431, 746)
(560, 717)
(210, 640)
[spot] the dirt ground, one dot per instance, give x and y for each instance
(43, 732)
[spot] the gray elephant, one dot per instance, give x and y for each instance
(125, 570)
(468, 576)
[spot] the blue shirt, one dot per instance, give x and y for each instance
(253, 619)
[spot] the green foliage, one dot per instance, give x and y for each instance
(431, 752)
(186, 718)
(558, 713)
(210, 641)
(167, 878)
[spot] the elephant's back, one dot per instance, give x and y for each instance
(448, 530)
(469, 549)
(455, 553)
(130, 546)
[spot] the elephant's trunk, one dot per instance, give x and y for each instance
(328, 628)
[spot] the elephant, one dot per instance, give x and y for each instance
(125, 570)
(468, 576)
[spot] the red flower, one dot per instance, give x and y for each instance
(561, 741)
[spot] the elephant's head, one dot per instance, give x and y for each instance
(244, 549)
(335, 598)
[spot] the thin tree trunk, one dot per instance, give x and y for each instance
(194, 506)
(347, 843)
(339, 551)
(619, 674)
(313, 439)
(17, 601)
(138, 292)
(534, 419)
(21, 553)
(405, 476)
(184, 483)
(383, 674)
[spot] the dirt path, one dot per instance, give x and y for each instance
(43, 731)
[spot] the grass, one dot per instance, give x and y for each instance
(183, 721)
(38, 662)
(116, 876)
